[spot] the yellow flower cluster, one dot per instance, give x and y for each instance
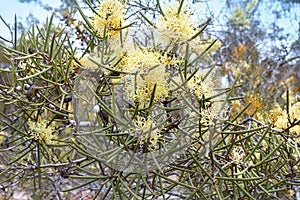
(282, 120)
(110, 17)
(275, 113)
(146, 71)
(170, 60)
(40, 131)
(204, 89)
(176, 27)
(201, 88)
(147, 131)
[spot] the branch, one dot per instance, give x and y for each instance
(33, 167)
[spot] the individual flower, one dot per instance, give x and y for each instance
(41, 131)
(110, 17)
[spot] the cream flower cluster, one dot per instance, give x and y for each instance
(146, 72)
(145, 128)
(176, 27)
(205, 89)
(41, 131)
(200, 87)
(110, 17)
(282, 120)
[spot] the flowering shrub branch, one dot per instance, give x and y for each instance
(139, 111)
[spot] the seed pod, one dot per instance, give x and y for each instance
(68, 99)
(31, 92)
(32, 50)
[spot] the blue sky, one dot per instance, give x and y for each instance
(9, 8)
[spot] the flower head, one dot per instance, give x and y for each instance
(146, 130)
(41, 131)
(176, 27)
(204, 89)
(146, 73)
(281, 121)
(110, 17)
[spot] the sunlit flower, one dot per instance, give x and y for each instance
(170, 60)
(290, 193)
(296, 129)
(295, 112)
(281, 117)
(110, 17)
(275, 113)
(41, 131)
(292, 97)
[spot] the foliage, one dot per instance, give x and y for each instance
(128, 102)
